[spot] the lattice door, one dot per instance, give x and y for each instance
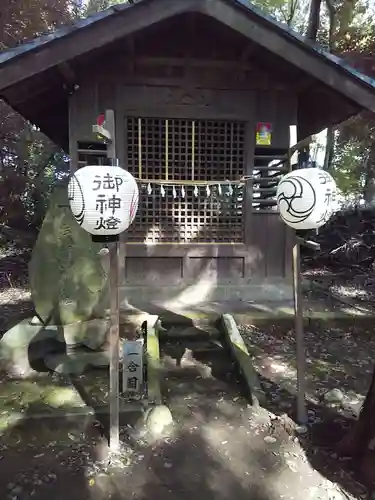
(186, 150)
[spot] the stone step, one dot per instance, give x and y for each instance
(193, 332)
(201, 322)
(169, 315)
(208, 386)
(186, 357)
(194, 377)
(191, 344)
(190, 350)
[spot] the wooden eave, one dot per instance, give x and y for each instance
(29, 74)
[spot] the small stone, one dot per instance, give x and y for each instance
(270, 439)
(157, 420)
(334, 396)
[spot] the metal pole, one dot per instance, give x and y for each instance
(300, 344)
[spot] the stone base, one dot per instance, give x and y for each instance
(25, 347)
(92, 334)
(77, 363)
(185, 296)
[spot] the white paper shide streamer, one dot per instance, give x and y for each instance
(306, 198)
(178, 192)
(103, 199)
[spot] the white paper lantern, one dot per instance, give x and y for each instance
(306, 198)
(103, 199)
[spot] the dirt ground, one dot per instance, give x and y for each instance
(220, 447)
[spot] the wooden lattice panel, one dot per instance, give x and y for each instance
(219, 150)
(216, 218)
(186, 150)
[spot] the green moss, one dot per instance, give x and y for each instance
(28, 398)
(67, 280)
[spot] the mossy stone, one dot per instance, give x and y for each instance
(67, 280)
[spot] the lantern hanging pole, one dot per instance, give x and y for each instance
(313, 198)
(300, 341)
(114, 335)
(298, 298)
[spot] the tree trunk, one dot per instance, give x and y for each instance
(369, 171)
(369, 191)
(360, 441)
(311, 33)
(314, 20)
(328, 156)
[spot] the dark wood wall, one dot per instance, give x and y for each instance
(146, 77)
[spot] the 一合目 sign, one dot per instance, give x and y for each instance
(133, 366)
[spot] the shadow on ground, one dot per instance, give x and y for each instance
(60, 459)
(215, 453)
(326, 429)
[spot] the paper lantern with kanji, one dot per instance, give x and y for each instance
(306, 198)
(103, 199)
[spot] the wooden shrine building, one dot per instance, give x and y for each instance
(204, 92)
